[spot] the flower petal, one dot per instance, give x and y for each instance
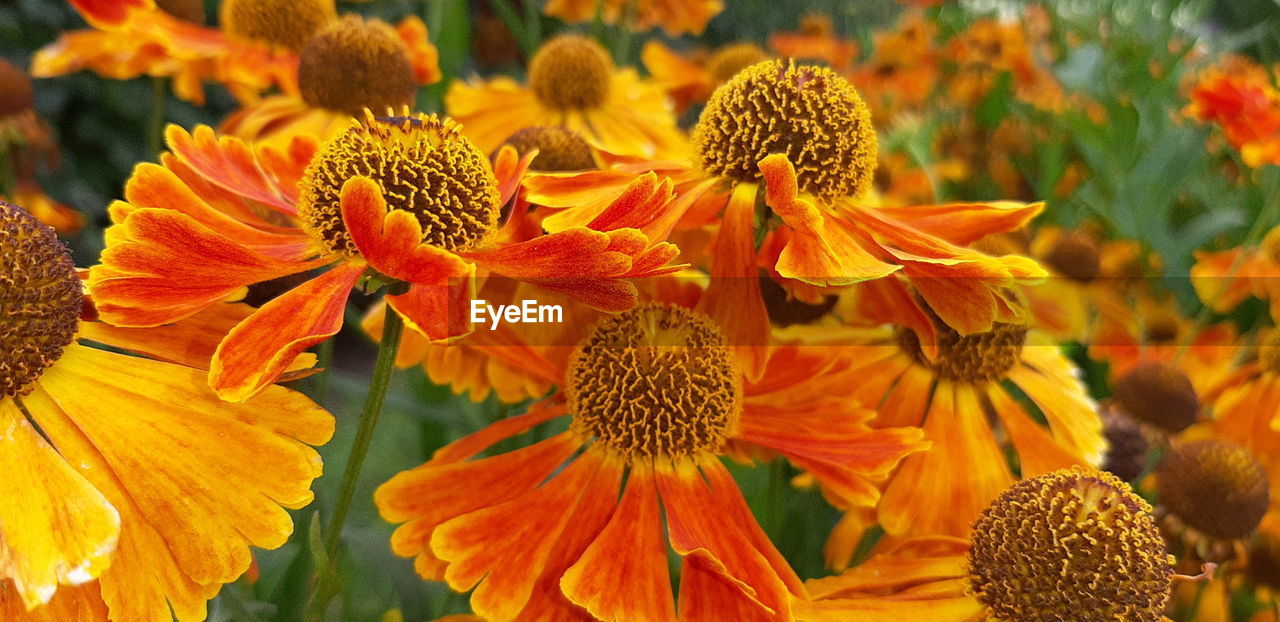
(391, 240)
(733, 297)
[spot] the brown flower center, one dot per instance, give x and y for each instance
(1070, 545)
(655, 382)
(355, 64)
(974, 359)
(1215, 487)
(1075, 256)
(1158, 394)
(41, 298)
(559, 149)
(809, 113)
(423, 166)
(16, 94)
(571, 72)
(287, 23)
(730, 59)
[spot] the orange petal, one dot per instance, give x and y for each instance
(259, 349)
(422, 55)
(58, 529)
(1038, 453)
(438, 312)
(965, 223)
(82, 603)
(230, 163)
(706, 595)
(391, 240)
(954, 609)
(733, 297)
(504, 548)
(108, 13)
(623, 575)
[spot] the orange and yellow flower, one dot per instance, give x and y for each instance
(133, 492)
(1247, 108)
(218, 215)
(574, 84)
(815, 41)
(676, 17)
(1224, 279)
(573, 526)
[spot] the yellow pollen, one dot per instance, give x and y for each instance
(16, 94)
(1271, 245)
(559, 149)
(422, 164)
(1158, 394)
(1070, 545)
(657, 381)
(975, 359)
(355, 64)
(185, 10)
(1076, 257)
(571, 72)
(1214, 487)
(41, 298)
(730, 59)
(287, 23)
(1269, 353)
(809, 113)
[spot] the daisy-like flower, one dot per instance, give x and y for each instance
(676, 17)
(1068, 545)
(691, 78)
(815, 41)
(980, 399)
(132, 492)
(404, 200)
(572, 83)
(348, 65)
(25, 146)
(572, 526)
(799, 139)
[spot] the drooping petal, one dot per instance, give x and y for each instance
(55, 527)
(109, 13)
(965, 223)
(391, 240)
(232, 164)
(259, 349)
(733, 299)
(622, 576)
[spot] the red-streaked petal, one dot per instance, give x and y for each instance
(965, 223)
(733, 297)
(109, 13)
(260, 348)
(438, 312)
(391, 240)
(506, 547)
(622, 575)
(230, 163)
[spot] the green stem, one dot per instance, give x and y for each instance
(155, 127)
(393, 329)
(511, 19)
(324, 361)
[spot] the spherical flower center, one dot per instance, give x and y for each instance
(1269, 353)
(1070, 545)
(1271, 245)
(287, 23)
(571, 72)
(1161, 327)
(16, 94)
(1076, 257)
(422, 164)
(559, 149)
(809, 113)
(657, 381)
(974, 359)
(185, 10)
(730, 59)
(355, 64)
(1158, 394)
(41, 298)
(1214, 487)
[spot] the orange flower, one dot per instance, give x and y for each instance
(691, 78)
(123, 470)
(1225, 279)
(1068, 543)
(966, 395)
(388, 65)
(26, 145)
(799, 138)
(676, 17)
(655, 396)
(574, 84)
(815, 41)
(218, 215)
(1247, 107)
(902, 70)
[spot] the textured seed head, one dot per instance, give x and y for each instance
(571, 72)
(1075, 256)
(975, 359)
(40, 296)
(1067, 546)
(727, 61)
(655, 382)
(559, 149)
(1214, 487)
(354, 64)
(423, 166)
(287, 23)
(1158, 394)
(809, 113)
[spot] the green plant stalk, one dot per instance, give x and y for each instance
(511, 19)
(393, 330)
(324, 360)
(155, 126)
